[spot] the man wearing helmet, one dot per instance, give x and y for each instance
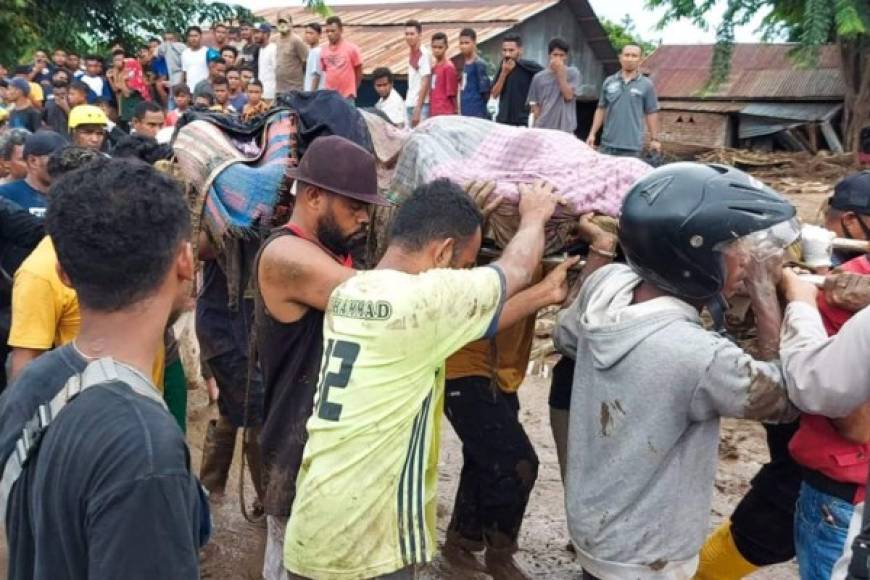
(87, 127)
(807, 458)
(650, 382)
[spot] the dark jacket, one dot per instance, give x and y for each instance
(19, 233)
(512, 106)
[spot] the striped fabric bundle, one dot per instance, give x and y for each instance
(234, 191)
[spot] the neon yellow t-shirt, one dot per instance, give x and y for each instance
(45, 311)
(365, 502)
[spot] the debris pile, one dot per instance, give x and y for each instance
(788, 173)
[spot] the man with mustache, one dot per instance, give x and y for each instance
(296, 271)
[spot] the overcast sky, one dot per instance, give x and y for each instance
(678, 33)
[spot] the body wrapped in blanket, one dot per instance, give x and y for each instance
(466, 149)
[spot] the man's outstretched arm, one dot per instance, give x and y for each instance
(524, 252)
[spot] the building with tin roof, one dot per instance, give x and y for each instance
(378, 29)
(768, 101)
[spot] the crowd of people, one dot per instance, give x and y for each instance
(245, 68)
(337, 376)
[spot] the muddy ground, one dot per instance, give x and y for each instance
(233, 552)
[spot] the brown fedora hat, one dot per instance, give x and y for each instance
(340, 166)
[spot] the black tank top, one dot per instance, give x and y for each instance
(289, 355)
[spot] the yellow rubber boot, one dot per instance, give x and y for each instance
(720, 558)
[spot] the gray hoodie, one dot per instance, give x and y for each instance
(650, 384)
(171, 51)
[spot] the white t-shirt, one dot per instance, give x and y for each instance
(313, 68)
(393, 107)
(194, 65)
(415, 77)
(266, 69)
(94, 83)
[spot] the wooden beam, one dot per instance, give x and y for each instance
(831, 137)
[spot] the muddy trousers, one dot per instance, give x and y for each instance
(762, 525)
(230, 372)
(500, 465)
(763, 522)
(560, 407)
(217, 456)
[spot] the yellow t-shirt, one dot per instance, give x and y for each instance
(506, 356)
(366, 491)
(45, 311)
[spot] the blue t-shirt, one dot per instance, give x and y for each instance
(239, 101)
(475, 90)
(21, 193)
(159, 67)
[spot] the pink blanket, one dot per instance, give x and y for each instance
(466, 149)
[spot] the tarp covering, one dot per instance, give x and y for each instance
(323, 113)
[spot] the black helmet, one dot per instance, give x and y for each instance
(676, 219)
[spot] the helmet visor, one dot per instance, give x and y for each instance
(757, 258)
(764, 244)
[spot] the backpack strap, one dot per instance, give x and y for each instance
(98, 372)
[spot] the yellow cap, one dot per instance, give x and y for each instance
(4, 114)
(87, 115)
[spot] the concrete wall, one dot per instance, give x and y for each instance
(695, 128)
(536, 32)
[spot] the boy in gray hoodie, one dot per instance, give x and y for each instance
(650, 382)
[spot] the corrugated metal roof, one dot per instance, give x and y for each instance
(378, 29)
(758, 71)
(426, 12)
(387, 47)
(792, 111)
(754, 127)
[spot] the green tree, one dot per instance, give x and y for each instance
(84, 25)
(811, 23)
(90, 25)
(318, 6)
(625, 32)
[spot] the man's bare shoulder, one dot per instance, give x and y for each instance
(291, 258)
(287, 258)
(288, 248)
